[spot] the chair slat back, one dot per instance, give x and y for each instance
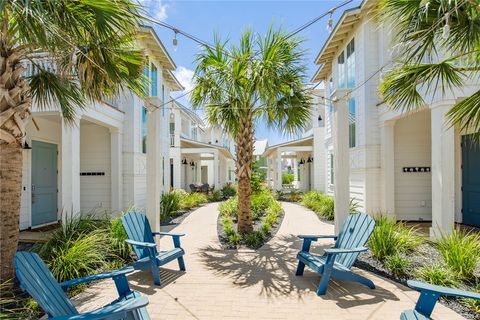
(38, 281)
(355, 233)
(137, 227)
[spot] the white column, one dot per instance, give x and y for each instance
(216, 170)
(443, 171)
(70, 169)
(176, 156)
(154, 168)
(319, 157)
(279, 169)
(388, 166)
(295, 172)
(116, 144)
(341, 160)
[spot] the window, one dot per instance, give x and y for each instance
(351, 64)
(331, 168)
(144, 129)
(351, 123)
(172, 127)
(154, 78)
(341, 70)
(146, 73)
(194, 133)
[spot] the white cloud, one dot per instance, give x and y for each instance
(155, 8)
(185, 77)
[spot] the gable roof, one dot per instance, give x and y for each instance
(259, 147)
(345, 25)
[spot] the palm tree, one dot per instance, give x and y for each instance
(439, 50)
(90, 53)
(260, 79)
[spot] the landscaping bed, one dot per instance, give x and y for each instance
(267, 216)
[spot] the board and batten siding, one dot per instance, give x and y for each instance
(95, 157)
(413, 191)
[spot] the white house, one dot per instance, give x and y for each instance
(304, 155)
(199, 154)
(411, 165)
(99, 163)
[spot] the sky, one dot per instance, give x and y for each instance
(228, 19)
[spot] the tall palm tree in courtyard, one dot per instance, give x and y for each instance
(88, 46)
(261, 79)
(445, 30)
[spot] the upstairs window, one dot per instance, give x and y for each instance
(154, 80)
(351, 64)
(341, 70)
(146, 73)
(351, 123)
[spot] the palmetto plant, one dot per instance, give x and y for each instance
(87, 52)
(261, 78)
(438, 45)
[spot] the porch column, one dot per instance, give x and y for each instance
(70, 169)
(279, 169)
(388, 165)
(295, 172)
(177, 169)
(443, 170)
(116, 143)
(216, 170)
(154, 167)
(341, 159)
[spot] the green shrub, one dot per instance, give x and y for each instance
(229, 190)
(473, 304)
(460, 251)
(117, 236)
(320, 203)
(170, 204)
(14, 305)
(229, 207)
(287, 178)
(260, 202)
(75, 257)
(266, 227)
(437, 274)
(234, 239)
(254, 239)
(215, 196)
(397, 264)
(390, 237)
(191, 200)
(294, 196)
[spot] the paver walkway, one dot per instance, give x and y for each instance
(223, 284)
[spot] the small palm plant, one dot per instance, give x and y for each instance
(81, 51)
(261, 78)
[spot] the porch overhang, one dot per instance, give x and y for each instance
(188, 146)
(299, 145)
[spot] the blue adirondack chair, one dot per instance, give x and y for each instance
(337, 261)
(429, 295)
(38, 281)
(140, 237)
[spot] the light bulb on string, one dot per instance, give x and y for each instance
(291, 92)
(330, 24)
(175, 41)
(446, 30)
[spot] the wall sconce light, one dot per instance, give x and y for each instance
(310, 160)
(192, 164)
(302, 161)
(26, 146)
(184, 161)
(320, 118)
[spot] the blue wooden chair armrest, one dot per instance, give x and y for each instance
(316, 237)
(141, 244)
(333, 251)
(117, 310)
(168, 234)
(444, 291)
(95, 277)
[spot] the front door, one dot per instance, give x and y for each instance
(471, 181)
(44, 183)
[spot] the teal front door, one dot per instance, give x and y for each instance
(44, 183)
(470, 181)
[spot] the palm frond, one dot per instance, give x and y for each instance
(466, 115)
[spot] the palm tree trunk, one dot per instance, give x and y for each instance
(244, 145)
(15, 103)
(10, 194)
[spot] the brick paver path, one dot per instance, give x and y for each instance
(228, 284)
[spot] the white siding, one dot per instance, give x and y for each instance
(413, 191)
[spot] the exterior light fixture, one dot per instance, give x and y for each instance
(320, 118)
(330, 24)
(302, 161)
(291, 92)
(446, 28)
(26, 146)
(310, 160)
(184, 161)
(192, 164)
(175, 41)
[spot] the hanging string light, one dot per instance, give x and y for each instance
(330, 24)
(446, 28)
(175, 41)
(291, 91)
